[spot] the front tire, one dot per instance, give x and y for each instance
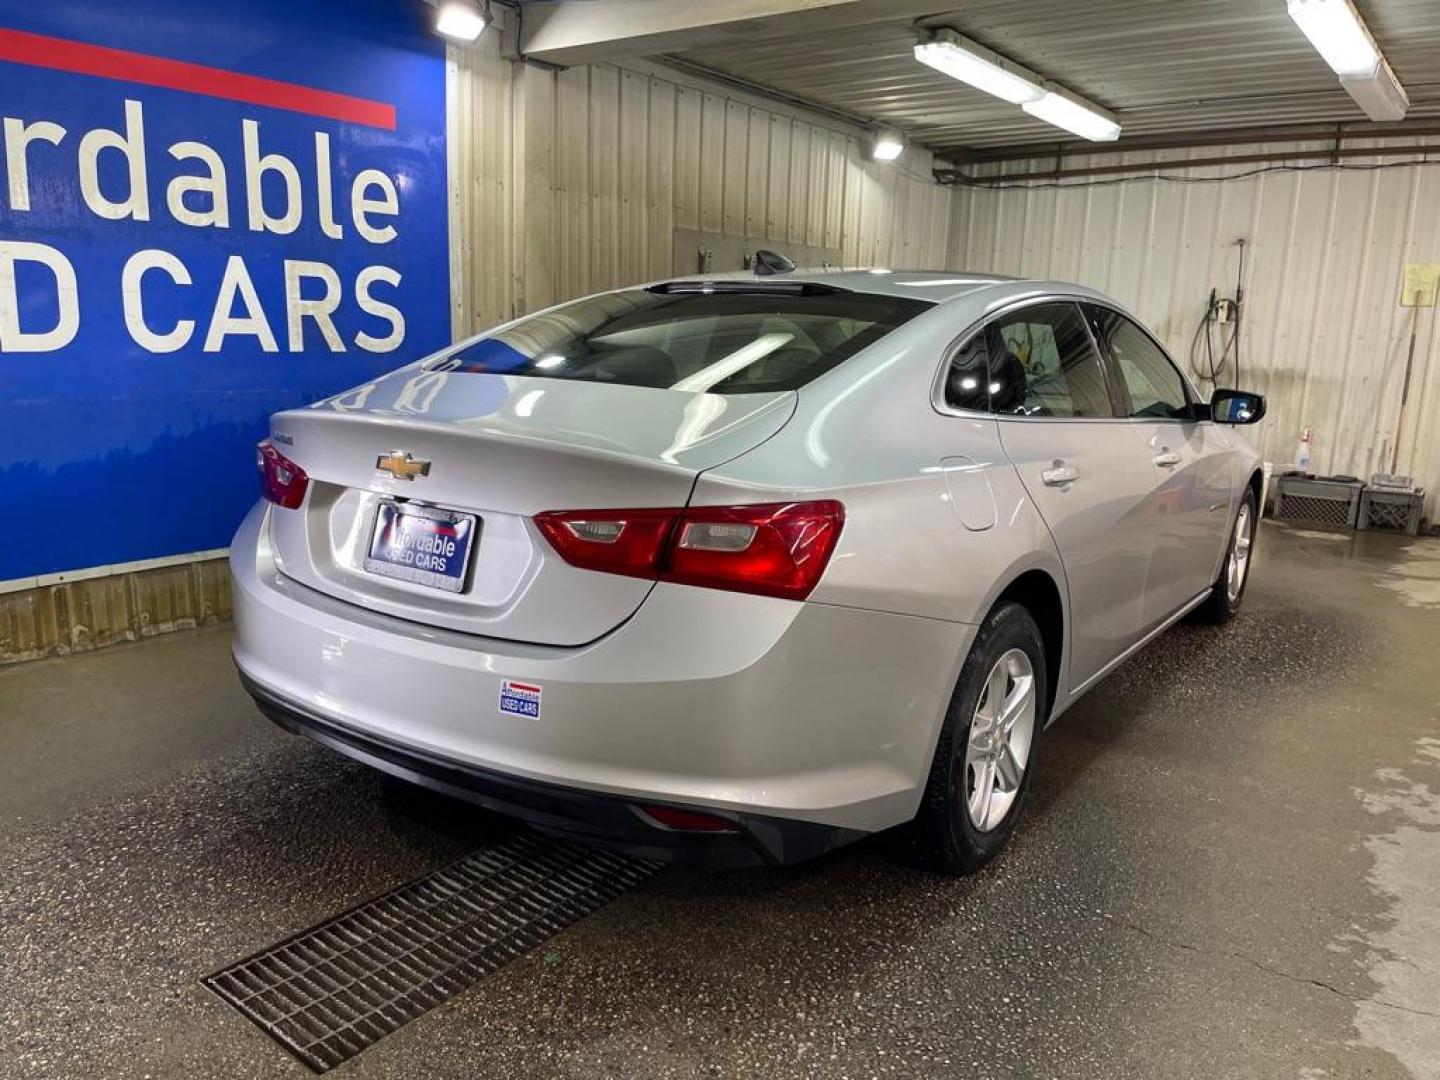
(1229, 588)
(986, 755)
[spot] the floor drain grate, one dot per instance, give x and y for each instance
(329, 992)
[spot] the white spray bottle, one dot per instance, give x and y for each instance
(1302, 452)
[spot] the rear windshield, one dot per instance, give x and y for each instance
(716, 342)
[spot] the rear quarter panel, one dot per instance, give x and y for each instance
(868, 435)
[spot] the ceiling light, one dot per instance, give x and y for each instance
(1379, 93)
(987, 70)
(1065, 112)
(972, 63)
(1339, 35)
(1335, 29)
(460, 20)
(888, 146)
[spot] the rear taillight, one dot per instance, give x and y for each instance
(773, 549)
(616, 541)
(282, 482)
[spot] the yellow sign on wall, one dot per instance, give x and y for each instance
(1422, 280)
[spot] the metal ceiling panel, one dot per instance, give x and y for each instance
(1163, 66)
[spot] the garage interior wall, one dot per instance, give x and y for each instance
(569, 182)
(1324, 335)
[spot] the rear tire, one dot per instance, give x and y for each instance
(974, 797)
(1220, 606)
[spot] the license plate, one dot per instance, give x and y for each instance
(422, 544)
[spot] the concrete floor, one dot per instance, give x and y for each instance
(1231, 868)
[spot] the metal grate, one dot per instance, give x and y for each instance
(1321, 511)
(329, 992)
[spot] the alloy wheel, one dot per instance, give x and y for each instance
(1002, 732)
(1239, 554)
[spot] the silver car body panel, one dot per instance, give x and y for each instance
(504, 449)
(826, 710)
(701, 698)
(1100, 521)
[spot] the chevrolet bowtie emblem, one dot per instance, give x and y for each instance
(402, 466)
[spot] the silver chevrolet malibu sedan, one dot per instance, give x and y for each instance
(743, 567)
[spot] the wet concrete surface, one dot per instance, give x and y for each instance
(1230, 868)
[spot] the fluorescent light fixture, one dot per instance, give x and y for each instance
(1339, 35)
(550, 363)
(982, 68)
(460, 20)
(1379, 94)
(987, 70)
(1336, 30)
(1063, 111)
(888, 146)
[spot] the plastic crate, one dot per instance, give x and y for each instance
(1392, 481)
(1385, 509)
(1324, 502)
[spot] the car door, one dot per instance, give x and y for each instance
(1078, 461)
(1190, 503)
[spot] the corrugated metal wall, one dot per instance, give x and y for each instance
(574, 181)
(1325, 337)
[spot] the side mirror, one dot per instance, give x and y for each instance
(1236, 407)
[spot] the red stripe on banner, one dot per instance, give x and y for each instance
(58, 54)
(524, 688)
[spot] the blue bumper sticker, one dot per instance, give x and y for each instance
(519, 699)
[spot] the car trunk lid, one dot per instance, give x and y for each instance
(500, 448)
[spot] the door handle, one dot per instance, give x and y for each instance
(1167, 459)
(1060, 475)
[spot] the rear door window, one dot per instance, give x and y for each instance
(719, 341)
(1043, 362)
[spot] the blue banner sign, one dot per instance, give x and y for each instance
(206, 214)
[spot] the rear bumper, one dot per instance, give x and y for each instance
(604, 820)
(770, 712)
